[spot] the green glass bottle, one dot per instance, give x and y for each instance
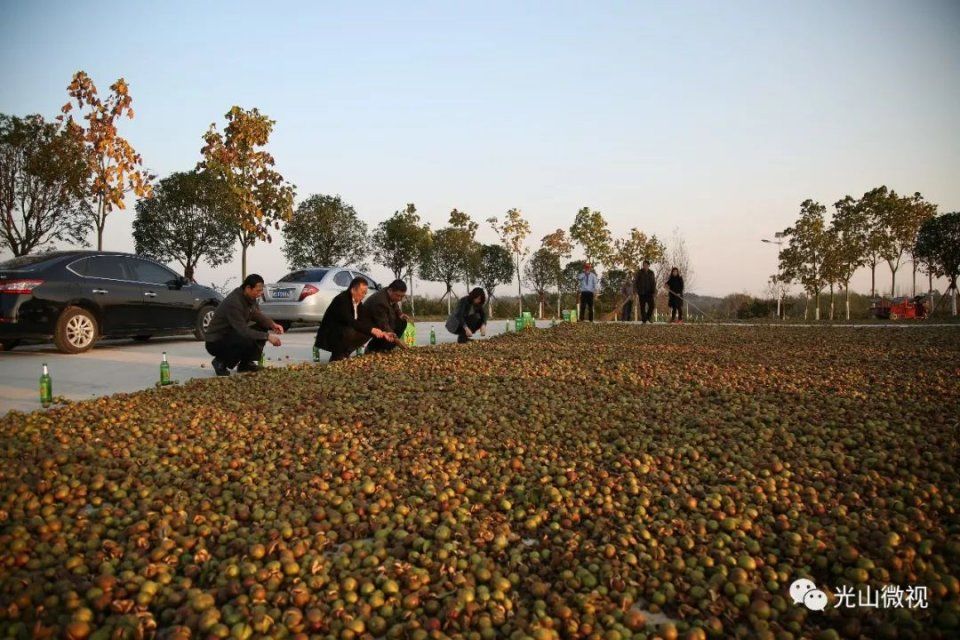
(261, 360)
(360, 350)
(164, 370)
(433, 337)
(46, 388)
(316, 353)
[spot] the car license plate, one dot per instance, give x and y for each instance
(281, 293)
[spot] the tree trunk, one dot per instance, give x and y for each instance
(490, 303)
(846, 295)
(519, 283)
(188, 272)
(448, 301)
(873, 280)
(243, 260)
(914, 290)
(893, 283)
(540, 311)
(413, 311)
(101, 222)
(831, 303)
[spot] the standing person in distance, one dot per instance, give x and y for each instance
(675, 292)
(345, 327)
(588, 288)
(626, 294)
(231, 339)
(382, 311)
(469, 316)
(646, 286)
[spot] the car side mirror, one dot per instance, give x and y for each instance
(178, 283)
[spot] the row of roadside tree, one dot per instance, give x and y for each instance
(61, 179)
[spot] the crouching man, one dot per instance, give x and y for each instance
(382, 311)
(238, 329)
(346, 325)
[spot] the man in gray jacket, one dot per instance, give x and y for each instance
(231, 339)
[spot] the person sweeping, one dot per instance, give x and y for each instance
(675, 300)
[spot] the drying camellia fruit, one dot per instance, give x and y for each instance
(584, 481)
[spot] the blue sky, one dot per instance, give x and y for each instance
(715, 119)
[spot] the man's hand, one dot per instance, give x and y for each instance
(276, 328)
(467, 331)
(405, 317)
(273, 339)
(390, 337)
(377, 333)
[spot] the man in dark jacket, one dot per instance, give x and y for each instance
(469, 316)
(645, 285)
(345, 327)
(382, 311)
(231, 339)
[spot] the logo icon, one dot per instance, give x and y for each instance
(805, 592)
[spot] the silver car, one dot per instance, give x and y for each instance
(303, 295)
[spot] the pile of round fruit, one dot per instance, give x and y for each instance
(584, 481)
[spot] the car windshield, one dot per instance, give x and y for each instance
(310, 275)
(27, 262)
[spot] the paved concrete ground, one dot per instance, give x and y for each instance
(124, 365)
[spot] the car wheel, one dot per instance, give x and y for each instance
(203, 321)
(76, 330)
(286, 324)
(9, 345)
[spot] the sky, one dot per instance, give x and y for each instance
(710, 120)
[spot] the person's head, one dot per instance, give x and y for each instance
(397, 290)
(478, 296)
(674, 271)
(646, 265)
(587, 267)
(253, 286)
(358, 288)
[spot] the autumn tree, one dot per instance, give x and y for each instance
(114, 167)
(43, 176)
(561, 248)
(938, 246)
(325, 230)
(540, 272)
(630, 252)
(449, 255)
(590, 231)
(512, 232)
(261, 199)
(184, 222)
(901, 222)
(876, 207)
(496, 268)
(801, 260)
(400, 242)
(847, 240)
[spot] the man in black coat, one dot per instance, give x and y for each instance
(238, 330)
(645, 285)
(383, 312)
(345, 327)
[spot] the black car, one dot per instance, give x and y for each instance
(77, 297)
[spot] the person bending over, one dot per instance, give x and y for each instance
(469, 316)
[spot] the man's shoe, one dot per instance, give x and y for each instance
(219, 367)
(248, 367)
